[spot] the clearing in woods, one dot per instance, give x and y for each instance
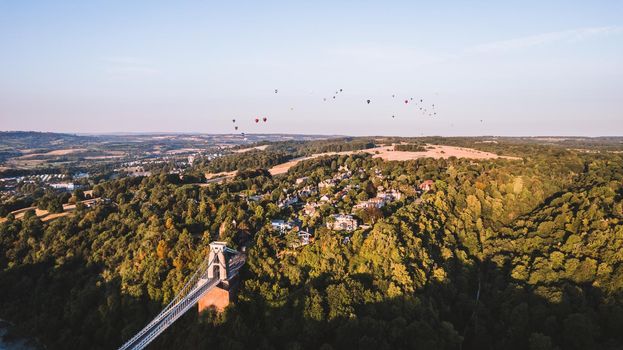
(384, 152)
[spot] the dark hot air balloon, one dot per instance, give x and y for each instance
(257, 120)
(368, 101)
(264, 119)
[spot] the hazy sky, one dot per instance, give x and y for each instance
(522, 67)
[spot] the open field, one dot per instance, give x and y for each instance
(433, 151)
(261, 148)
(45, 215)
(58, 152)
(388, 153)
(210, 176)
(384, 152)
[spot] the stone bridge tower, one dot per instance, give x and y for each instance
(221, 295)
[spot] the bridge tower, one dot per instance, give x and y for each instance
(221, 295)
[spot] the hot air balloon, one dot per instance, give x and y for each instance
(406, 101)
(264, 119)
(393, 116)
(257, 120)
(276, 91)
(421, 100)
(235, 127)
(340, 90)
(233, 120)
(368, 101)
(393, 95)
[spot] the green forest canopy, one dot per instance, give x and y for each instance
(501, 254)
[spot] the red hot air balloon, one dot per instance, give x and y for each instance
(264, 119)
(257, 120)
(406, 101)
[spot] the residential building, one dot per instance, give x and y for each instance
(342, 222)
(426, 185)
(280, 225)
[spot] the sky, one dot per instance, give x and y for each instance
(514, 68)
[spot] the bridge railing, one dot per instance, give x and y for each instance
(186, 297)
(191, 283)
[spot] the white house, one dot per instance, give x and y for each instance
(342, 222)
(280, 225)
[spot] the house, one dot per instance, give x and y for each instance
(281, 225)
(342, 222)
(324, 198)
(377, 202)
(371, 203)
(310, 209)
(307, 191)
(67, 186)
(389, 196)
(426, 185)
(341, 194)
(301, 180)
(326, 183)
(290, 200)
(304, 237)
(255, 198)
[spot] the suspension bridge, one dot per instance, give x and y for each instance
(220, 267)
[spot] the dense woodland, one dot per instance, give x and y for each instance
(245, 160)
(410, 147)
(501, 254)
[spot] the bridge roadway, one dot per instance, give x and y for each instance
(163, 321)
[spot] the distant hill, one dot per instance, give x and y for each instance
(33, 139)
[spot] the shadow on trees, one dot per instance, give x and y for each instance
(69, 306)
(441, 315)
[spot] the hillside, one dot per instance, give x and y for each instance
(495, 253)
